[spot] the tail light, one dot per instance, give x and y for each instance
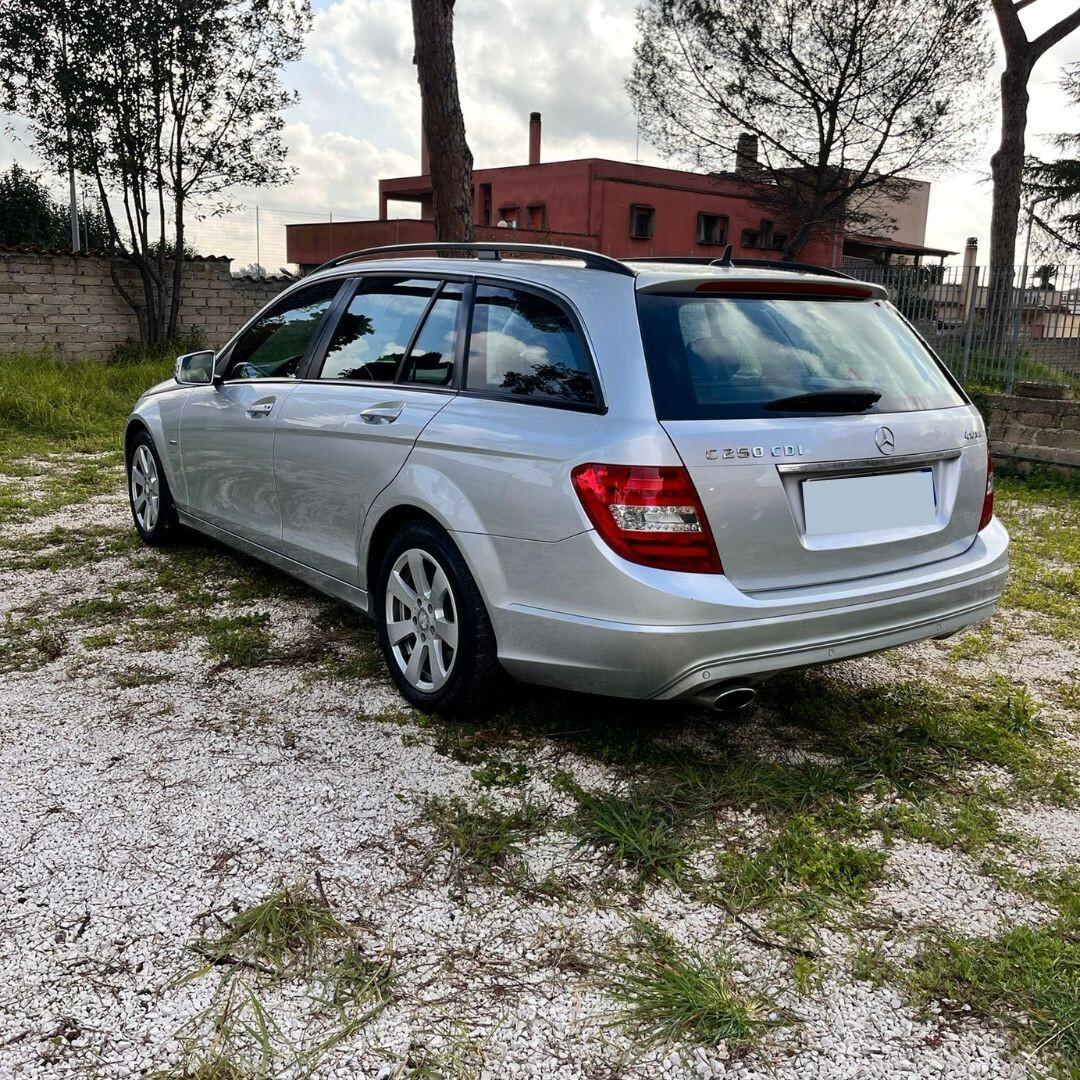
(988, 497)
(648, 514)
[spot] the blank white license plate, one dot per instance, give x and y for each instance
(852, 504)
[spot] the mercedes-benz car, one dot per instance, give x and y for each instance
(663, 480)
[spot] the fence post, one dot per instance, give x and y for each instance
(972, 300)
(1010, 370)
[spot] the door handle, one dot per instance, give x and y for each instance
(261, 408)
(386, 412)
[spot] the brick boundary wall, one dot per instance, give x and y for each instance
(68, 304)
(1037, 425)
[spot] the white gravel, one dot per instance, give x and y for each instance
(934, 888)
(129, 813)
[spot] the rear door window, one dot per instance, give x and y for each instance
(526, 346)
(713, 357)
(376, 329)
(431, 359)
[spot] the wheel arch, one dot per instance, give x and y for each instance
(388, 525)
(136, 426)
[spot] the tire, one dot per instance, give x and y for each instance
(437, 641)
(152, 507)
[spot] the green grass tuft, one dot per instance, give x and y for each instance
(638, 829)
(84, 403)
(285, 934)
(484, 843)
(669, 994)
(800, 868)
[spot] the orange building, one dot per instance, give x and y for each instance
(614, 207)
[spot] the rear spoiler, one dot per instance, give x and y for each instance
(762, 285)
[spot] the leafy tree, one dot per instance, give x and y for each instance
(1044, 276)
(847, 98)
(161, 104)
(28, 212)
(443, 123)
(1059, 180)
(30, 215)
(1007, 164)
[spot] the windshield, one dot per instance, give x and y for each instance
(713, 357)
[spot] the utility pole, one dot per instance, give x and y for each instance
(73, 205)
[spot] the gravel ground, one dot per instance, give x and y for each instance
(143, 791)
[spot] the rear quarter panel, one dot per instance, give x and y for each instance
(495, 467)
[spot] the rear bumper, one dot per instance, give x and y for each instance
(722, 634)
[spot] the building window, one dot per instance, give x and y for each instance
(712, 228)
(509, 214)
(763, 237)
(485, 204)
(536, 216)
(641, 221)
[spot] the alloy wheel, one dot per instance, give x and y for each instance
(421, 620)
(145, 488)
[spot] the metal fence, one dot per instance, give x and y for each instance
(993, 326)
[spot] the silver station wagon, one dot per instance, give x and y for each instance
(653, 479)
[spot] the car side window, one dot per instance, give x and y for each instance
(526, 346)
(431, 359)
(376, 328)
(273, 346)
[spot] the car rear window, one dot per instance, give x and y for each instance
(714, 357)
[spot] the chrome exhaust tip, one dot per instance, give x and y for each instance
(729, 699)
(734, 699)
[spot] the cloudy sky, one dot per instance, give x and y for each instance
(359, 111)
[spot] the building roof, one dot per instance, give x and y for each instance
(894, 246)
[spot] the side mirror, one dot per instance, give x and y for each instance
(195, 368)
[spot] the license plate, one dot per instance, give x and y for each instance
(853, 504)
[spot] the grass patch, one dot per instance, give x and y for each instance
(801, 869)
(29, 643)
(1042, 512)
(669, 994)
(484, 843)
(285, 934)
(237, 640)
(67, 548)
(639, 829)
(291, 935)
(82, 403)
(912, 738)
(1027, 978)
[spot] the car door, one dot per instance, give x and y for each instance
(390, 365)
(227, 428)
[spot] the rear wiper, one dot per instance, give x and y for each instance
(827, 401)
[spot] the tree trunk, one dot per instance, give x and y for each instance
(443, 123)
(797, 241)
(1007, 164)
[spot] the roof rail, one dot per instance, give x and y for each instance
(489, 249)
(764, 264)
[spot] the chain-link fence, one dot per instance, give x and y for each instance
(254, 236)
(993, 326)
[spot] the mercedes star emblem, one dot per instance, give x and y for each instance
(886, 443)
